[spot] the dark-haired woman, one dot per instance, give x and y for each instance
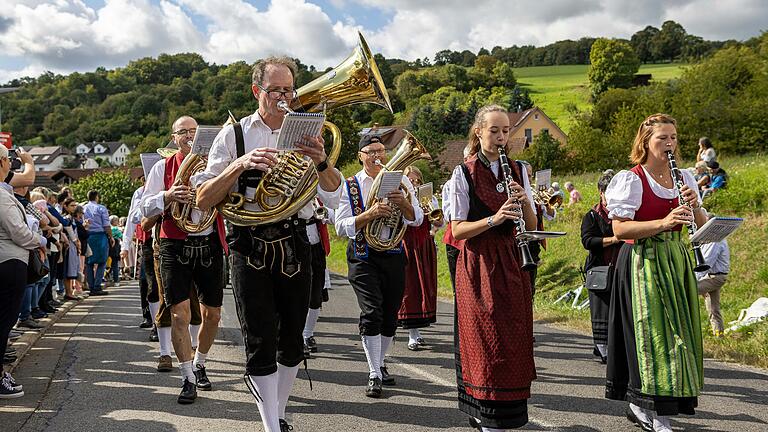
(655, 358)
(597, 237)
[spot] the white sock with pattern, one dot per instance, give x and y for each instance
(264, 390)
(385, 342)
(372, 347)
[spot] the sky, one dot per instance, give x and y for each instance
(80, 35)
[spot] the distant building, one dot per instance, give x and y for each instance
(525, 126)
(116, 153)
(58, 178)
(49, 158)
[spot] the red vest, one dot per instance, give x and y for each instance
(168, 228)
(322, 229)
(449, 239)
(141, 235)
(653, 207)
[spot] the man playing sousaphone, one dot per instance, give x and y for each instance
(271, 263)
(378, 277)
(186, 259)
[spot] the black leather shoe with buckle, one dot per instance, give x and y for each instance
(188, 393)
(386, 378)
(284, 426)
(374, 388)
(311, 344)
(203, 383)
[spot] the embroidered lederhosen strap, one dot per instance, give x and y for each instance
(358, 206)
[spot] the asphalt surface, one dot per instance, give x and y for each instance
(94, 370)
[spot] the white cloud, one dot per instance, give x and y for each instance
(67, 35)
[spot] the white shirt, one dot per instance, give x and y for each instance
(345, 218)
(625, 192)
(446, 195)
(718, 256)
(134, 217)
(153, 201)
(256, 134)
(709, 155)
(459, 199)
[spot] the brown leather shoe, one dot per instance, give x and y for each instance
(165, 364)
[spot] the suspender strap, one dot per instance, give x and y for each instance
(250, 177)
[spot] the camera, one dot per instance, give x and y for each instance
(14, 158)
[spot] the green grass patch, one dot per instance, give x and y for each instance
(748, 280)
(556, 88)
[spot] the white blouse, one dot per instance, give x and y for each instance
(625, 192)
(459, 193)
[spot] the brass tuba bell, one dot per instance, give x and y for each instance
(292, 182)
(408, 151)
(182, 213)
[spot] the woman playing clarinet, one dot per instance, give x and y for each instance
(493, 314)
(654, 335)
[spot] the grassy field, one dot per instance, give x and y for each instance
(554, 88)
(748, 279)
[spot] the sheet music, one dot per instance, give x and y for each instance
(543, 179)
(295, 126)
(425, 191)
(148, 160)
(390, 181)
(716, 229)
(203, 140)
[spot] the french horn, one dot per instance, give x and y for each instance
(292, 182)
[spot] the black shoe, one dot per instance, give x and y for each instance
(474, 424)
(203, 383)
(99, 293)
(147, 323)
(284, 426)
(54, 303)
(49, 309)
(38, 314)
(311, 344)
(646, 426)
(188, 393)
(386, 378)
(153, 335)
(374, 388)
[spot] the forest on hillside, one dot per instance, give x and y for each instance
(436, 99)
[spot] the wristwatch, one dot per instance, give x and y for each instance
(490, 221)
(322, 166)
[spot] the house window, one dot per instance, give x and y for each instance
(545, 130)
(528, 137)
(535, 116)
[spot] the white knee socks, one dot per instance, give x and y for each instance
(309, 325)
(194, 331)
(372, 347)
(164, 337)
(153, 309)
(385, 342)
(264, 389)
(285, 377)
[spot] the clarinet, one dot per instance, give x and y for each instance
(525, 252)
(677, 176)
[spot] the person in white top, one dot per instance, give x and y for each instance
(718, 256)
(271, 264)
(706, 152)
(186, 260)
(654, 333)
(378, 278)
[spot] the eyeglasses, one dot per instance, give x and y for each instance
(276, 94)
(374, 152)
(182, 132)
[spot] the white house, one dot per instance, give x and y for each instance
(49, 158)
(115, 153)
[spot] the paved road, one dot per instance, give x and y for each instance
(95, 372)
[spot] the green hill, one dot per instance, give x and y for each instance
(558, 88)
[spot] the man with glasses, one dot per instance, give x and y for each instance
(186, 259)
(271, 264)
(378, 278)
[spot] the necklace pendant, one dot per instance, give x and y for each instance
(499, 187)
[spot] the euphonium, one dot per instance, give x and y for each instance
(408, 151)
(182, 213)
(292, 182)
(543, 197)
